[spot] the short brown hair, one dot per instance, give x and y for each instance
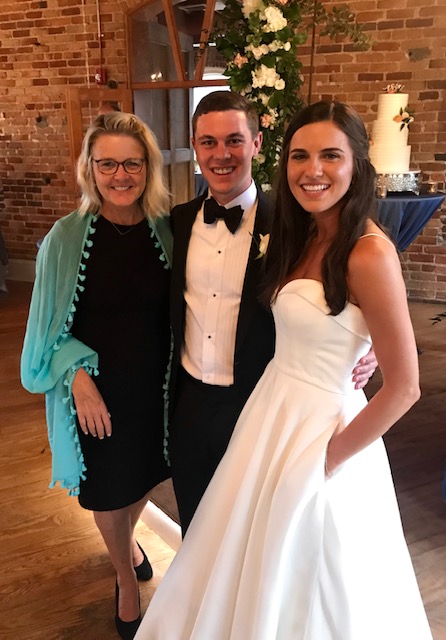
(227, 101)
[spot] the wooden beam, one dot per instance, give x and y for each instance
(206, 29)
(175, 40)
(186, 84)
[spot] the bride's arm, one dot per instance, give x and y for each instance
(376, 283)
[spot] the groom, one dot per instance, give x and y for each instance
(223, 337)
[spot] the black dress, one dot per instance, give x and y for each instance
(123, 314)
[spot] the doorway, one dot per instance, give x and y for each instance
(170, 62)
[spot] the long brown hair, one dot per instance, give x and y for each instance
(292, 224)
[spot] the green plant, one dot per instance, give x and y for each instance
(259, 40)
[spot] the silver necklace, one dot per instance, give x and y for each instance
(122, 233)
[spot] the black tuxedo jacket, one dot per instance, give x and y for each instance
(255, 336)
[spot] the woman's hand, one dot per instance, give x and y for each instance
(328, 472)
(331, 463)
(92, 412)
(364, 369)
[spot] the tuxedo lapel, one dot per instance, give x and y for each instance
(249, 303)
(183, 218)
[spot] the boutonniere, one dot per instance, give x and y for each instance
(262, 244)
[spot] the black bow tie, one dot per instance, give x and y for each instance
(232, 217)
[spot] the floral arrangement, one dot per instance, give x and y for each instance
(259, 40)
(394, 88)
(405, 116)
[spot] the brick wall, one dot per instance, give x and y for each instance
(409, 47)
(47, 45)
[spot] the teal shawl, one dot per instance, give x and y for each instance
(51, 355)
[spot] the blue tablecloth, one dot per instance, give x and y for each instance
(406, 216)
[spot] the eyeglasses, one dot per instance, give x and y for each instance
(109, 167)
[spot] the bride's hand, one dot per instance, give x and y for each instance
(329, 470)
(364, 369)
(332, 463)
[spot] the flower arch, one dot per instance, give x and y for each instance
(260, 40)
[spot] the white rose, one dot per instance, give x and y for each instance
(246, 90)
(279, 84)
(257, 79)
(264, 77)
(270, 78)
(249, 6)
(274, 19)
(273, 113)
(277, 44)
(257, 52)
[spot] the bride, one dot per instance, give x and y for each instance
(298, 536)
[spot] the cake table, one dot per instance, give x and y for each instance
(405, 216)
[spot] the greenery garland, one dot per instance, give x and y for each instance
(259, 40)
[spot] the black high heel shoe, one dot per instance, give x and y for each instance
(126, 630)
(144, 570)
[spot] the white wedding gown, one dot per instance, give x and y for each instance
(276, 552)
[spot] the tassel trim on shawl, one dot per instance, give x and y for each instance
(73, 484)
(165, 258)
(166, 402)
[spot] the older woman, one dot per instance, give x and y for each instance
(97, 341)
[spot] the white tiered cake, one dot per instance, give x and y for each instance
(389, 151)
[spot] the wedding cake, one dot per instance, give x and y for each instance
(389, 151)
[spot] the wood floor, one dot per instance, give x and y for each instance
(56, 581)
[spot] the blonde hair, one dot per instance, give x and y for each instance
(154, 201)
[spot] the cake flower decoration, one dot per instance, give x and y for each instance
(405, 117)
(394, 88)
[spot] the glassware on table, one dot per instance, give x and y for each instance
(381, 186)
(432, 187)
